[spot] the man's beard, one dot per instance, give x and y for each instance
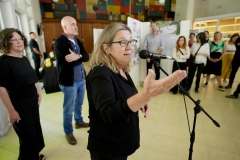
(75, 33)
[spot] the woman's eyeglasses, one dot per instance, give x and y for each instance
(124, 43)
(17, 39)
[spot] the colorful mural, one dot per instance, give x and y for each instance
(98, 9)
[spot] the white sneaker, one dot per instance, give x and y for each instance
(220, 88)
(225, 81)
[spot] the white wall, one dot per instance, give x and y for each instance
(143, 64)
(215, 7)
(192, 9)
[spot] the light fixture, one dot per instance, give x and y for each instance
(55, 1)
(161, 1)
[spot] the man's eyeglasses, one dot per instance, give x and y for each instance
(124, 43)
(17, 39)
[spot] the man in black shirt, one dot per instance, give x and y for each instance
(36, 54)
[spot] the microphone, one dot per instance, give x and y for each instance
(144, 54)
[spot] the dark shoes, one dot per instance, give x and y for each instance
(71, 139)
(231, 96)
(228, 86)
(205, 85)
(174, 92)
(81, 125)
(220, 88)
(196, 90)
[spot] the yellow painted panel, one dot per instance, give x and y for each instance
(90, 4)
(48, 14)
(152, 2)
(114, 9)
(78, 14)
(61, 2)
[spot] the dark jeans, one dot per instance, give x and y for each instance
(236, 93)
(235, 66)
(37, 66)
(105, 156)
(73, 101)
(157, 71)
(183, 84)
(191, 73)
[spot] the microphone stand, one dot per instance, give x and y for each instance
(197, 109)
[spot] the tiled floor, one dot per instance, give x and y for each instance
(164, 135)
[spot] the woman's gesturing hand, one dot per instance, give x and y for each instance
(153, 88)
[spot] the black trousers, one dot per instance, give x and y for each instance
(105, 156)
(37, 66)
(236, 93)
(28, 129)
(191, 73)
(157, 71)
(235, 66)
(183, 84)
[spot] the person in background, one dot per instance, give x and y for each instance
(214, 62)
(154, 43)
(36, 54)
(209, 42)
(113, 99)
(207, 37)
(235, 63)
(52, 45)
(20, 94)
(191, 40)
(235, 94)
(51, 53)
(70, 54)
(181, 53)
(190, 43)
(228, 57)
(201, 48)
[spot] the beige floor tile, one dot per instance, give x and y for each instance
(8, 154)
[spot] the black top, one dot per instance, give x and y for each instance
(34, 44)
(65, 69)
(16, 74)
(114, 127)
(236, 58)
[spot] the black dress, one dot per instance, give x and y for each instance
(216, 52)
(19, 78)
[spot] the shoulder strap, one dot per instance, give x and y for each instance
(180, 51)
(198, 50)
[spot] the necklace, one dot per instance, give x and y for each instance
(15, 55)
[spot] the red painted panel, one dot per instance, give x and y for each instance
(91, 16)
(81, 5)
(117, 2)
(124, 9)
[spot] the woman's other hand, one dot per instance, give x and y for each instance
(145, 110)
(14, 116)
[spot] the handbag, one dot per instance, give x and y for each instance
(193, 58)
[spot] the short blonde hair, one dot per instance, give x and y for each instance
(99, 56)
(217, 32)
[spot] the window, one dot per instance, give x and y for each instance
(19, 26)
(1, 21)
